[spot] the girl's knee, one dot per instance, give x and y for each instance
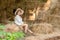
(26, 24)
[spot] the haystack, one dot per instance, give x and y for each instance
(43, 28)
(53, 36)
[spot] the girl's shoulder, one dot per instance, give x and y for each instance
(17, 16)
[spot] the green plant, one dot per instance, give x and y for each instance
(15, 35)
(2, 26)
(10, 36)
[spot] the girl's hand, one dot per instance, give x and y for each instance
(18, 9)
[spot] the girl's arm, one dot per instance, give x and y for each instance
(17, 10)
(20, 10)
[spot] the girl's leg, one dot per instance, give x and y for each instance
(27, 29)
(30, 31)
(21, 28)
(25, 26)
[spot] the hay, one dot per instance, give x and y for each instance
(32, 38)
(53, 36)
(43, 28)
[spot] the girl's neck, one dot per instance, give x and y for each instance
(20, 15)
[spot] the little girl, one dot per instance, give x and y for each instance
(18, 20)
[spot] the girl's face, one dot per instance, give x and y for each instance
(20, 13)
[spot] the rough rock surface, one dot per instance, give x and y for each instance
(11, 28)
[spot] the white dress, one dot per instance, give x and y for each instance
(18, 20)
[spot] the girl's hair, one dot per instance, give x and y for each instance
(14, 10)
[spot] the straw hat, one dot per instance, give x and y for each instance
(19, 10)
